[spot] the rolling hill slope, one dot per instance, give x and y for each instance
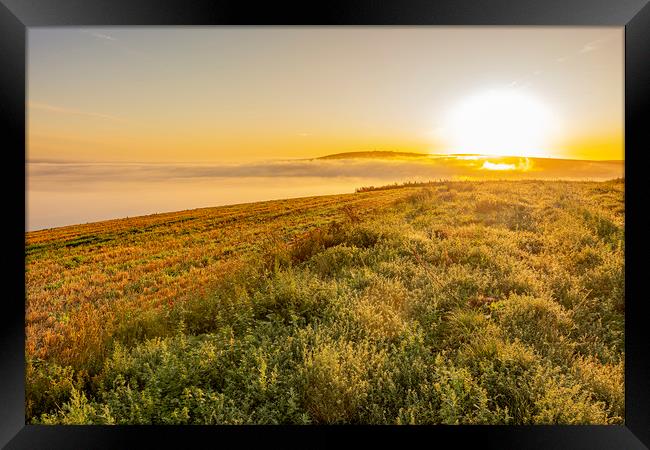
(454, 302)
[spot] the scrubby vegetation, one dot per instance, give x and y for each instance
(450, 303)
(406, 184)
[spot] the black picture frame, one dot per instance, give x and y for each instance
(16, 16)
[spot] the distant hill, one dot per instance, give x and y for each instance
(375, 155)
(402, 155)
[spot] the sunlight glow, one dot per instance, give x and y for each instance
(468, 157)
(500, 122)
(498, 166)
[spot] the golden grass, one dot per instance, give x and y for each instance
(81, 279)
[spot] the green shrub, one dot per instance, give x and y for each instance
(292, 295)
(604, 382)
(335, 260)
(49, 385)
(568, 405)
(539, 322)
(450, 396)
(78, 411)
(336, 377)
(507, 372)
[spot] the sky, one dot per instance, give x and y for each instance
(246, 94)
(127, 121)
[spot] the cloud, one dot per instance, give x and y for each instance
(274, 169)
(113, 42)
(589, 47)
(103, 36)
(523, 82)
(71, 111)
(362, 171)
(99, 35)
(596, 43)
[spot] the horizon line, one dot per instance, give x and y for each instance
(322, 157)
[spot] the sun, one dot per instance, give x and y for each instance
(500, 123)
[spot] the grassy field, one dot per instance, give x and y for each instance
(452, 302)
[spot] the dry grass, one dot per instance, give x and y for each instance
(82, 280)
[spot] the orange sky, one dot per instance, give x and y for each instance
(250, 93)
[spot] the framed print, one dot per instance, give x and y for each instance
(407, 220)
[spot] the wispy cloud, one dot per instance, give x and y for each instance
(589, 47)
(527, 80)
(70, 111)
(103, 36)
(113, 42)
(99, 35)
(596, 43)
